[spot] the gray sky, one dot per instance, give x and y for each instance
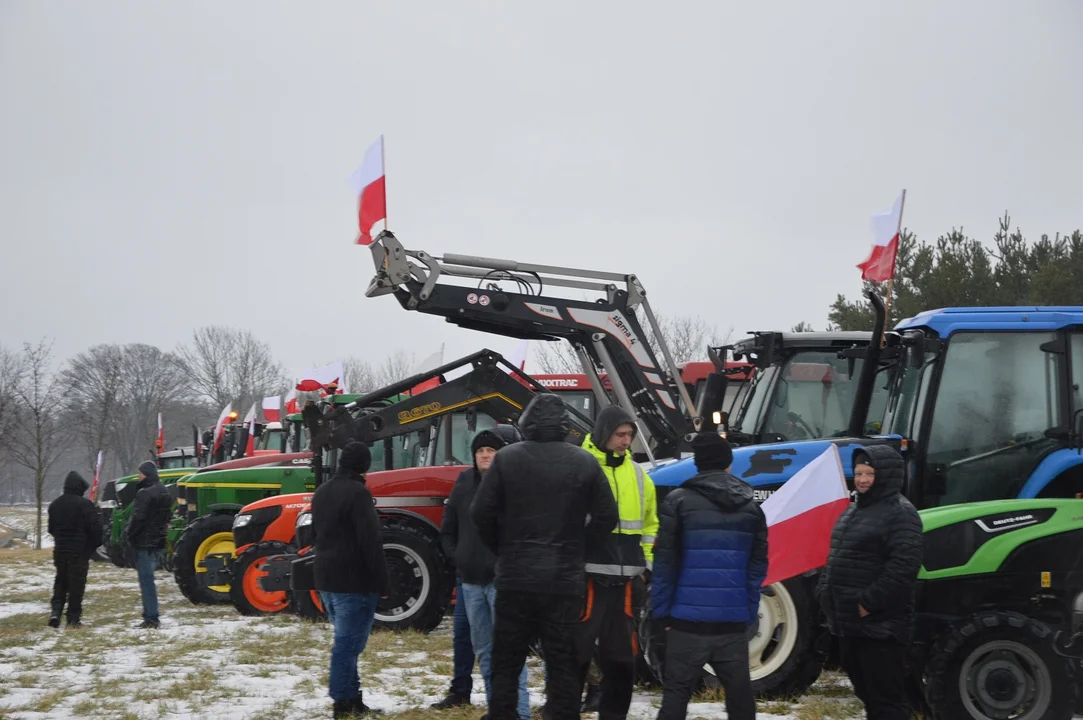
(165, 166)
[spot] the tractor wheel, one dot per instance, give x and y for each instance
(309, 606)
(999, 665)
(208, 534)
(247, 596)
(783, 657)
(421, 578)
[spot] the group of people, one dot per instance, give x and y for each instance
(556, 546)
(76, 528)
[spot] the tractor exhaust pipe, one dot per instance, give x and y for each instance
(860, 411)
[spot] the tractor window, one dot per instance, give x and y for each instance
(997, 397)
(752, 407)
(580, 400)
(1077, 371)
(461, 437)
(814, 395)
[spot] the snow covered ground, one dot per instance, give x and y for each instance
(211, 662)
(24, 518)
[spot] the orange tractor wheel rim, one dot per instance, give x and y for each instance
(316, 600)
(260, 598)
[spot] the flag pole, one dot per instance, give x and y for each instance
(383, 171)
(891, 280)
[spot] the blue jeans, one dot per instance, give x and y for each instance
(480, 609)
(351, 615)
(463, 682)
(146, 561)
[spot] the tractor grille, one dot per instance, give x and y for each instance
(254, 531)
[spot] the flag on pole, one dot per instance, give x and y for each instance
(801, 515)
(517, 357)
(368, 183)
(160, 442)
(219, 428)
(318, 378)
(272, 408)
(886, 227)
(429, 363)
(291, 402)
(97, 475)
(250, 419)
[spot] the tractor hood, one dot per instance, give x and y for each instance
(293, 500)
(270, 459)
(765, 467)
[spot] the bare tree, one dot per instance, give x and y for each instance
(225, 365)
(394, 368)
(38, 437)
(11, 372)
(93, 381)
(152, 382)
(358, 375)
(686, 337)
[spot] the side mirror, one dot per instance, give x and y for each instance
(915, 348)
(712, 399)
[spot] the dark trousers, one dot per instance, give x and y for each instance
(69, 585)
(520, 618)
(877, 670)
(687, 653)
(608, 622)
(463, 681)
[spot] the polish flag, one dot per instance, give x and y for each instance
(429, 363)
(97, 474)
(160, 443)
(801, 515)
(250, 418)
(368, 183)
(291, 402)
(219, 428)
(318, 378)
(272, 408)
(886, 227)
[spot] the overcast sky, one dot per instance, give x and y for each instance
(170, 165)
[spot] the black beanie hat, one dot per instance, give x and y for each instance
(355, 458)
(149, 468)
(712, 452)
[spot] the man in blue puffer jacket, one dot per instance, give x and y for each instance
(710, 560)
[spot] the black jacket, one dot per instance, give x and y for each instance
(475, 562)
(710, 558)
(533, 505)
(74, 522)
(348, 542)
(876, 553)
(151, 511)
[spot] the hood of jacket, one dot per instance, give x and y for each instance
(890, 473)
(75, 484)
(545, 419)
(495, 437)
(609, 419)
(728, 492)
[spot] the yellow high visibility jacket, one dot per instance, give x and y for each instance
(632, 548)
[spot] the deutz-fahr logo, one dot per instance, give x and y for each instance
(619, 322)
(419, 412)
(761, 495)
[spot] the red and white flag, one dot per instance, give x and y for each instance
(160, 443)
(97, 474)
(219, 428)
(291, 402)
(801, 515)
(272, 408)
(250, 419)
(368, 183)
(318, 378)
(429, 363)
(886, 227)
(517, 357)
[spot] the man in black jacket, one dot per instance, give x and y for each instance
(535, 509)
(77, 533)
(867, 588)
(476, 563)
(145, 534)
(350, 571)
(709, 564)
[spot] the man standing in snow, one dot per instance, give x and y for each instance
(145, 534)
(350, 571)
(77, 533)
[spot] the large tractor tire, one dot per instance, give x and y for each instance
(999, 665)
(309, 606)
(422, 579)
(784, 659)
(245, 592)
(207, 535)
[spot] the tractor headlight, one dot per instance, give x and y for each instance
(241, 521)
(304, 519)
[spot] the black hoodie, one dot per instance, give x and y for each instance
(531, 508)
(73, 520)
(876, 553)
(151, 510)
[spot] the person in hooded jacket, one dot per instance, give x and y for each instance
(617, 564)
(867, 588)
(145, 533)
(709, 564)
(476, 563)
(77, 532)
(536, 508)
(350, 571)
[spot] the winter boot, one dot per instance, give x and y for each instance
(148, 625)
(360, 708)
(54, 621)
(343, 709)
(592, 700)
(452, 700)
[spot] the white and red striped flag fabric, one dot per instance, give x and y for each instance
(219, 428)
(250, 420)
(291, 402)
(272, 408)
(886, 227)
(801, 515)
(160, 443)
(97, 475)
(368, 183)
(318, 378)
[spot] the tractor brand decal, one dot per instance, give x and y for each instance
(419, 412)
(291, 506)
(761, 495)
(763, 462)
(1008, 523)
(546, 310)
(301, 461)
(618, 320)
(558, 382)
(616, 325)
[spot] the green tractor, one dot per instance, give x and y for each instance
(999, 582)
